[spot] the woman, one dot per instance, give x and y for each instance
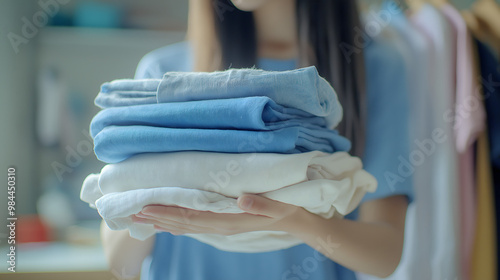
(282, 35)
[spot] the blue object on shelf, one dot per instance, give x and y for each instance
(94, 14)
(61, 19)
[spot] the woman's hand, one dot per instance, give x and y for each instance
(372, 245)
(261, 214)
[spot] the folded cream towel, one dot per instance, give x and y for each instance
(324, 184)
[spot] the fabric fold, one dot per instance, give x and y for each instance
(249, 113)
(126, 92)
(233, 174)
(117, 143)
(302, 88)
(324, 184)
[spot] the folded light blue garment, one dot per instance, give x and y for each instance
(302, 89)
(127, 92)
(248, 113)
(117, 143)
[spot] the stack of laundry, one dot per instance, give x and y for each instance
(200, 140)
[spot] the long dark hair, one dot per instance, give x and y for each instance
(322, 26)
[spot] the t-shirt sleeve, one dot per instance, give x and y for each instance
(148, 68)
(387, 141)
(176, 57)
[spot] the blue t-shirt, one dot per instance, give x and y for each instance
(181, 257)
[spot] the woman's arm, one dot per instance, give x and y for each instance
(124, 253)
(371, 245)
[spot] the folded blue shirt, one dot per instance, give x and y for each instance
(302, 89)
(117, 143)
(248, 113)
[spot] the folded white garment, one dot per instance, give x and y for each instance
(324, 184)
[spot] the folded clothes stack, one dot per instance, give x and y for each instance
(200, 140)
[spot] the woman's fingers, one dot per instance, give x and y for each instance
(203, 221)
(259, 205)
(172, 231)
(173, 213)
(172, 224)
(260, 214)
(203, 218)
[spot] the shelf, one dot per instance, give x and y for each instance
(77, 36)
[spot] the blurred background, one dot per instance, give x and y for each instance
(54, 55)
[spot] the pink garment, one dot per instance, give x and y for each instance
(469, 121)
(469, 111)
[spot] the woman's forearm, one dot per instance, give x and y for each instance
(124, 253)
(370, 247)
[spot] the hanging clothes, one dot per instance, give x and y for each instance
(468, 122)
(485, 261)
(484, 256)
(418, 245)
(445, 219)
